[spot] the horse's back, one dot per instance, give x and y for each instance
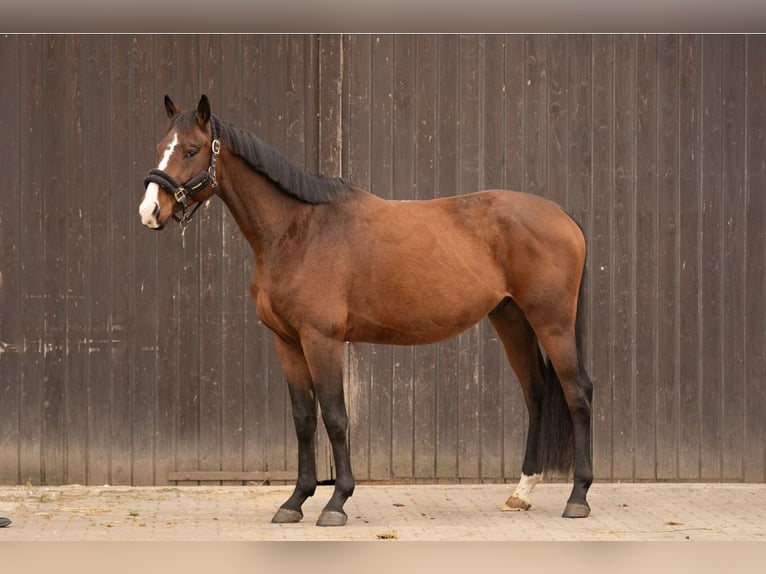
(501, 225)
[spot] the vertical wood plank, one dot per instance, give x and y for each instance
(535, 114)
(623, 259)
(357, 169)
(424, 368)
(667, 257)
(123, 210)
(514, 83)
(711, 432)
(55, 257)
(78, 206)
(404, 135)
(330, 66)
(169, 326)
(579, 161)
(381, 184)
(274, 114)
(235, 266)
(317, 54)
(646, 264)
(493, 100)
(515, 418)
(11, 233)
(256, 340)
(735, 261)
(689, 220)
(146, 273)
(99, 345)
(188, 453)
(330, 104)
(311, 103)
(298, 92)
(32, 277)
(580, 173)
(212, 277)
(558, 115)
(600, 267)
(755, 277)
(447, 158)
(469, 342)
(492, 359)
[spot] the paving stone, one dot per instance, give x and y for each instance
(630, 512)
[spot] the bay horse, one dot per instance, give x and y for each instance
(335, 263)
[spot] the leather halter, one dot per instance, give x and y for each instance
(182, 191)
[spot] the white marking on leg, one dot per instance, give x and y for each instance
(526, 485)
(151, 199)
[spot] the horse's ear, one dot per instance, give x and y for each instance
(203, 111)
(170, 107)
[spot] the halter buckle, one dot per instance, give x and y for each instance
(180, 196)
(216, 146)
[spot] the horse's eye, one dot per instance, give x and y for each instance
(191, 153)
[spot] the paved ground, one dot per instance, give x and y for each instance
(628, 512)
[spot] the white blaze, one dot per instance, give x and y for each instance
(152, 196)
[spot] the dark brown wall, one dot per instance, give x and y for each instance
(126, 355)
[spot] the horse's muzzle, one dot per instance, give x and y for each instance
(149, 210)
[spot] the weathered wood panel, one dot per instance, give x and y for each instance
(126, 356)
(10, 272)
(646, 257)
(711, 311)
(755, 275)
(735, 261)
(623, 204)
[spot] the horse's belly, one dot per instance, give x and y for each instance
(426, 277)
(421, 322)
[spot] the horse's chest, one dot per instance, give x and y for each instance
(269, 310)
(264, 307)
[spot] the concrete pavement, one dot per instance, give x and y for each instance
(626, 512)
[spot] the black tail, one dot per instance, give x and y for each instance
(556, 446)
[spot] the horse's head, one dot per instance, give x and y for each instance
(185, 172)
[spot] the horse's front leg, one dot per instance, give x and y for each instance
(305, 417)
(325, 360)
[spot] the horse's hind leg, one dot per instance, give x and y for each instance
(521, 347)
(305, 418)
(578, 391)
(561, 348)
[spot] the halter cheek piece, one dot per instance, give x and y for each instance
(182, 191)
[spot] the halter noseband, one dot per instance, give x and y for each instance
(182, 191)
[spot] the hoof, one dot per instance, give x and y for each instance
(332, 518)
(287, 516)
(576, 510)
(516, 503)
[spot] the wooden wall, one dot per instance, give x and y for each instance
(115, 371)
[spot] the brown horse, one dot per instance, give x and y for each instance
(334, 263)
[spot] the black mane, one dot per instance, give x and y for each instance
(290, 178)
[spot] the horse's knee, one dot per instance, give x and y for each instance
(305, 427)
(336, 424)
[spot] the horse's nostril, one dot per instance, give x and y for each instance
(156, 212)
